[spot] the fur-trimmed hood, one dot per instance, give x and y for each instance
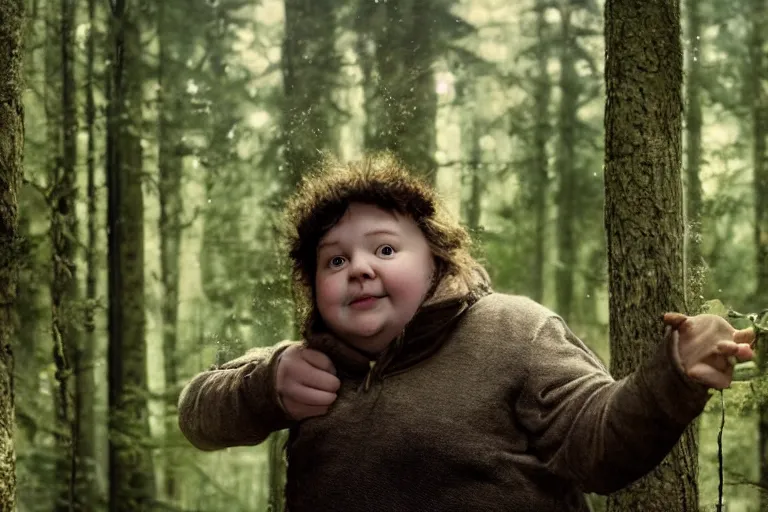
(324, 196)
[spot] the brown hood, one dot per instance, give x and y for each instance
(420, 339)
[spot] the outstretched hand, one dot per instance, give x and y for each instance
(708, 345)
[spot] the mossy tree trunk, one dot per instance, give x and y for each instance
(644, 216)
(11, 150)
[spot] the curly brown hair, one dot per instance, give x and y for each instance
(380, 180)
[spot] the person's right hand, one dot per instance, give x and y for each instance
(306, 382)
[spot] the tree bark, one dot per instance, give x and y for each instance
(644, 215)
(131, 479)
(11, 151)
(693, 121)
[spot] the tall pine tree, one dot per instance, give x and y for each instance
(131, 478)
(644, 215)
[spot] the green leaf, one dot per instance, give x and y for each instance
(714, 307)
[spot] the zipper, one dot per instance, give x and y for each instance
(369, 375)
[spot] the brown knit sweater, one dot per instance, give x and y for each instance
(503, 410)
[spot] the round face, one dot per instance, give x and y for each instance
(374, 269)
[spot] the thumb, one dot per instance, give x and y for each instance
(674, 320)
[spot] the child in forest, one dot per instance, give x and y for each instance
(418, 388)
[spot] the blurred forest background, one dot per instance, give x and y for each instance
(223, 104)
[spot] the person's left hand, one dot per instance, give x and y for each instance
(708, 345)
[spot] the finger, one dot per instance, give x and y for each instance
(727, 355)
(674, 320)
(320, 379)
(727, 347)
(745, 336)
(709, 376)
(318, 360)
(745, 353)
(735, 352)
(310, 396)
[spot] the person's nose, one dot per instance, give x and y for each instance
(360, 268)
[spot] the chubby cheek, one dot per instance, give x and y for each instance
(409, 289)
(329, 295)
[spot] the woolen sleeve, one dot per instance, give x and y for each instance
(235, 404)
(600, 433)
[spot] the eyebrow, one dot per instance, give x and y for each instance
(375, 232)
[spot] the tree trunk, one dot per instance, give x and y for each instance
(64, 288)
(63, 227)
(759, 75)
(170, 165)
(694, 263)
(405, 99)
(11, 151)
(85, 395)
(131, 479)
(311, 66)
(565, 163)
(540, 170)
(366, 53)
(644, 216)
(472, 206)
